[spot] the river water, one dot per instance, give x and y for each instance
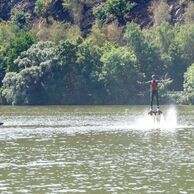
(96, 149)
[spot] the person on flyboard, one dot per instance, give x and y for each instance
(153, 94)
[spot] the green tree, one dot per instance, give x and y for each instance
(42, 8)
(189, 13)
(75, 8)
(88, 59)
(148, 56)
(57, 32)
(10, 89)
(97, 36)
(189, 85)
(37, 68)
(166, 36)
(20, 20)
(119, 75)
(162, 37)
(161, 13)
(67, 55)
(2, 66)
(116, 8)
(181, 53)
(21, 88)
(189, 79)
(7, 33)
(18, 45)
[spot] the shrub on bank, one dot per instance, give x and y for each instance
(113, 8)
(161, 13)
(189, 13)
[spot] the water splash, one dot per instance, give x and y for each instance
(171, 117)
(167, 120)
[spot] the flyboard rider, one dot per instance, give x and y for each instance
(153, 94)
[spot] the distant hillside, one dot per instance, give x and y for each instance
(142, 13)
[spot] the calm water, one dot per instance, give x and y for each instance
(95, 149)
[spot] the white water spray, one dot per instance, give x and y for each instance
(171, 118)
(167, 120)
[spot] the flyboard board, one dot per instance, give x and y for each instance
(156, 114)
(1, 123)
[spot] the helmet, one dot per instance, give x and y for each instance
(153, 76)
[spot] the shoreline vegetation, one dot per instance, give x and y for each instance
(45, 60)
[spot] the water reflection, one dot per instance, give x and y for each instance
(84, 152)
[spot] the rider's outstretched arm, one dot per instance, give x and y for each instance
(147, 82)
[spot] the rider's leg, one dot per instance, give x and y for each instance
(157, 99)
(151, 99)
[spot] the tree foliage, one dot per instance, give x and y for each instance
(7, 34)
(75, 8)
(189, 79)
(115, 8)
(181, 54)
(58, 31)
(165, 35)
(52, 62)
(28, 85)
(66, 52)
(189, 86)
(42, 6)
(119, 74)
(20, 20)
(19, 44)
(161, 13)
(148, 57)
(88, 59)
(189, 13)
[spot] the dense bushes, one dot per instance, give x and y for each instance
(29, 85)
(114, 8)
(12, 43)
(189, 13)
(161, 13)
(189, 85)
(93, 70)
(20, 20)
(18, 45)
(51, 63)
(148, 57)
(73, 72)
(120, 74)
(41, 6)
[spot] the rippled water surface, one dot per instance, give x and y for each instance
(95, 149)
